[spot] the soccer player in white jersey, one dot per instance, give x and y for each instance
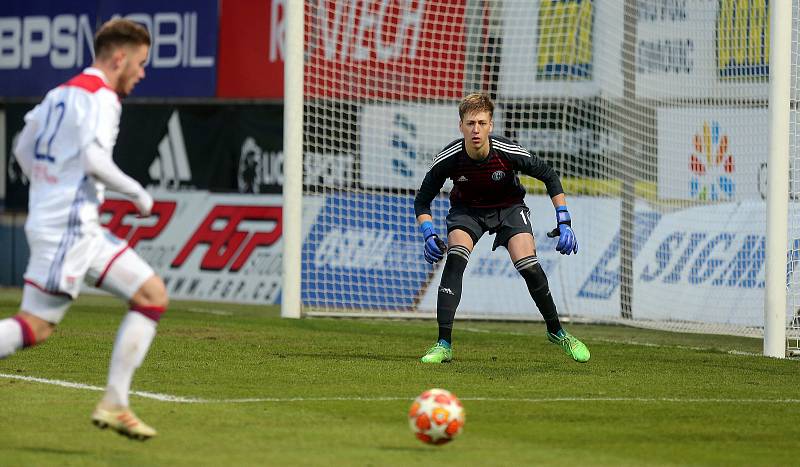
(65, 150)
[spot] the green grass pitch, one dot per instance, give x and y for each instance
(333, 392)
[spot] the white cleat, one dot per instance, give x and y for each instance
(124, 422)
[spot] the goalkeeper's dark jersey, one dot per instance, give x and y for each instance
(490, 183)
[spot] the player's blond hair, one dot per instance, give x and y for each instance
(119, 32)
(475, 102)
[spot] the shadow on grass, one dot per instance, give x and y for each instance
(420, 448)
(336, 356)
(48, 450)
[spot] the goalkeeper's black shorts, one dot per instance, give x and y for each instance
(503, 222)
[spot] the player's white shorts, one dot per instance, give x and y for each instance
(59, 264)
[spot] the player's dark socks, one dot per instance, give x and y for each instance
(530, 270)
(450, 289)
(446, 334)
(553, 326)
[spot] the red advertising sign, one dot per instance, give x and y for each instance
(354, 49)
(250, 61)
(373, 49)
(207, 246)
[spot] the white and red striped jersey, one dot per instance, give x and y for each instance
(75, 124)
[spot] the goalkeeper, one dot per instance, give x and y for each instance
(487, 197)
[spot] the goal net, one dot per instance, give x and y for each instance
(653, 112)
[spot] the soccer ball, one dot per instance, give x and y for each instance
(436, 416)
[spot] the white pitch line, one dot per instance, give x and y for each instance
(198, 400)
(209, 311)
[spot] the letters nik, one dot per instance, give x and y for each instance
(446, 290)
(462, 179)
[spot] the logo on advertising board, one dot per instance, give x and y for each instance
(743, 39)
(707, 262)
(710, 153)
(171, 167)
(398, 142)
(261, 171)
(668, 48)
(351, 254)
(603, 280)
(712, 165)
(565, 41)
(207, 247)
(42, 44)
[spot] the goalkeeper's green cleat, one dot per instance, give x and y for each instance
(439, 353)
(571, 345)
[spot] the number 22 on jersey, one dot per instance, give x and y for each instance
(52, 123)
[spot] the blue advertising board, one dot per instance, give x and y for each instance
(44, 43)
(365, 251)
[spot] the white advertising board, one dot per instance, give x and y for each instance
(492, 286)
(712, 154)
(703, 264)
(699, 49)
(561, 48)
(210, 247)
(695, 49)
(399, 142)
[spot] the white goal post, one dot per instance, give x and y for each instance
(672, 123)
(775, 293)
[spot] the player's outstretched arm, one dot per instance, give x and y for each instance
(434, 246)
(99, 164)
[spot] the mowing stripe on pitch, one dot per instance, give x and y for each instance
(626, 342)
(198, 400)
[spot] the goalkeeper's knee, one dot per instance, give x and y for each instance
(530, 270)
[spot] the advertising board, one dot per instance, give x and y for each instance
(712, 154)
(208, 246)
(561, 48)
(703, 49)
(43, 44)
(363, 251)
(395, 48)
(399, 142)
(251, 49)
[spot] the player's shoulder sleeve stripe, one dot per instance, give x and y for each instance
(90, 83)
(510, 147)
(452, 148)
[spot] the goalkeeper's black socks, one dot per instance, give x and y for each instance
(450, 289)
(445, 334)
(530, 270)
(553, 326)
